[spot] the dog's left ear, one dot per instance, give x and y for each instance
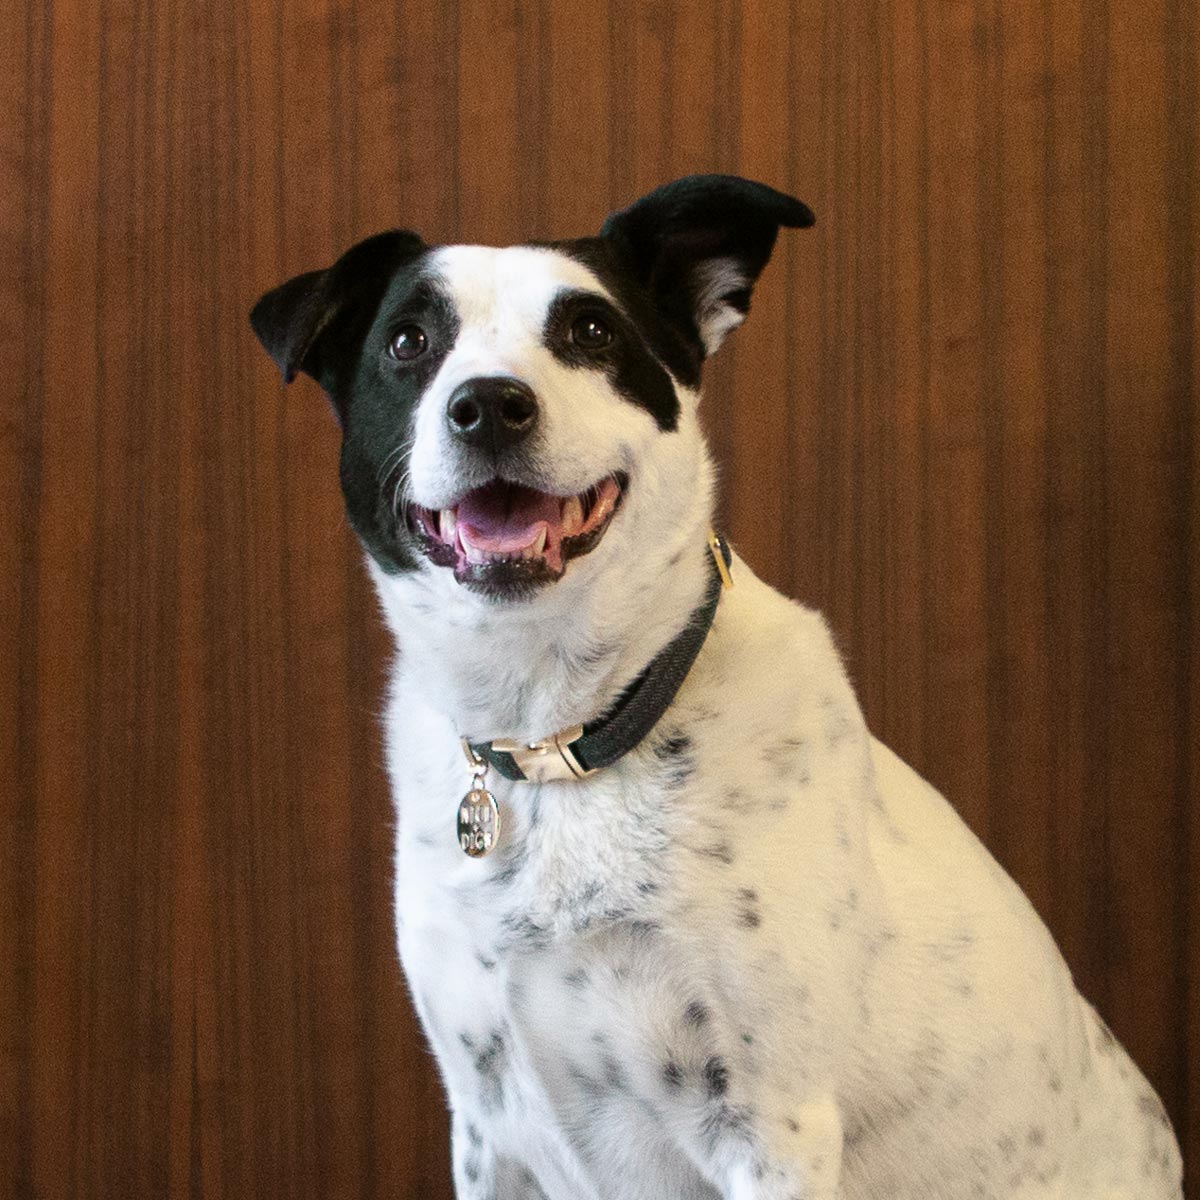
(315, 322)
(699, 244)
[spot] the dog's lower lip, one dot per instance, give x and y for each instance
(503, 534)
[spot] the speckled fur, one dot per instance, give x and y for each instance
(759, 958)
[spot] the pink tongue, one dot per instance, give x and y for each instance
(503, 517)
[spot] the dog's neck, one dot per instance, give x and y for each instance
(527, 670)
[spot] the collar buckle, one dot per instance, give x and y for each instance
(718, 550)
(549, 759)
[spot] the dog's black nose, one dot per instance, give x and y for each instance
(494, 411)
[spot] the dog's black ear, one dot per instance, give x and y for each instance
(315, 323)
(699, 244)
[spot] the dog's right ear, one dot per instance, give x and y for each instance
(698, 245)
(316, 322)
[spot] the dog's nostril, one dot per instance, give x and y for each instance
(464, 412)
(517, 409)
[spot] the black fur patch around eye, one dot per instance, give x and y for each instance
(631, 367)
(380, 404)
(675, 343)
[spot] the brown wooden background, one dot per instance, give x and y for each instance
(962, 420)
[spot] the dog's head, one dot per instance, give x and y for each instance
(505, 411)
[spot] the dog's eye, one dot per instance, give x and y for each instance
(591, 332)
(408, 342)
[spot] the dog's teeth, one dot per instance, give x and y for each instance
(604, 505)
(474, 555)
(539, 543)
(572, 516)
(447, 525)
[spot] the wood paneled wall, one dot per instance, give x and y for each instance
(961, 420)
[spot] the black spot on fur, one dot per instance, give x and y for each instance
(721, 851)
(748, 914)
(696, 1014)
(675, 751)
(785, 754)
(716, 1076)
(672, 1074)
(644, 929)
(1151, 1107)
(576, 978)
(614, 1076)
(674, 745)
(489, 1059)
(523, 929)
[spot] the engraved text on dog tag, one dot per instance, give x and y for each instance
(478, 822)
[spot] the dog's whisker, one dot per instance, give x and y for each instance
(400, 492)
(393, 457)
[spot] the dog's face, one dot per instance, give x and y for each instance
(503, 410)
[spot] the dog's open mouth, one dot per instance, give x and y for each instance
(504, 536)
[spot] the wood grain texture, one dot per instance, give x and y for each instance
(961, 421)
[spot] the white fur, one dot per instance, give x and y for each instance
(714, 317)
(773, 964)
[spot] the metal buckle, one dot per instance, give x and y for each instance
(715, 548)
(549, 759)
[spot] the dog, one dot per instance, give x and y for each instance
(675, 924)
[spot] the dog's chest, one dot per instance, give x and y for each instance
(544, 973)
(567, 979)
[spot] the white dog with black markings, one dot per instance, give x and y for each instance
(676, 925)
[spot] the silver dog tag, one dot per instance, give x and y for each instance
(478, 822)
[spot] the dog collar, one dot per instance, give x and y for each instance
(582, 750)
